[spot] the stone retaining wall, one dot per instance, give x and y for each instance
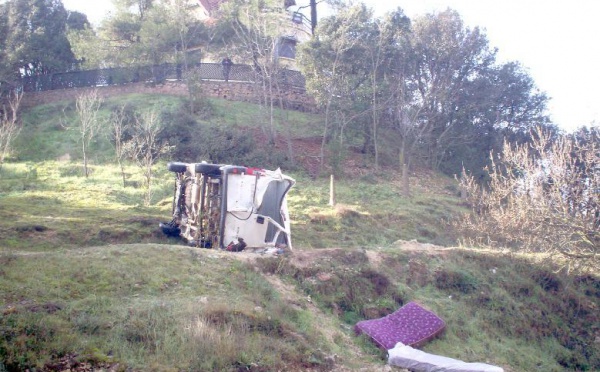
(293, 98)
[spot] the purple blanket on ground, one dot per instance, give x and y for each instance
(411, 324)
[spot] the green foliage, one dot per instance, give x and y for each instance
(445, 95)
(43, 214)
(153, 306)
(195, 141)
(338, 156)
(143, 33)
(228, 139)
(222, 131)
(344, 284)
(33, 38)
(84, 269)
(214, 144)
(455, 280)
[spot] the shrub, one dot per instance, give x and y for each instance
(548, 280)
(542, 197)
(193, 141)
(183, 133)
(455, 280)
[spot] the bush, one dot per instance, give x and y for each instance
(181, 131)
(193, 141)
(225, 145)
(541, 197)
(455, 280)
(548, 280)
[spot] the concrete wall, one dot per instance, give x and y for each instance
(293, 98)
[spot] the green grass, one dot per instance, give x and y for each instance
(498, 309)
(248, 115)
(50, 131)
(84, 270)
(149, 306)
(369, 214)
(51, 205)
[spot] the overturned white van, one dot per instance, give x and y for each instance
(229, 207)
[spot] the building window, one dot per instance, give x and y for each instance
(287, 47)
(297, 18)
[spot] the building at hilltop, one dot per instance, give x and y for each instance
(295, 26)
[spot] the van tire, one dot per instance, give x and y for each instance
(177, 167)
(209, 169)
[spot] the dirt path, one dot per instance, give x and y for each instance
(353, 358)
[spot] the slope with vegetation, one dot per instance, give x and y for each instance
(88, 280)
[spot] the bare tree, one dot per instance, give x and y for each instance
(87, 105)
(410, 135)
(145, 147)
(118, 120)
(542, 198)
(9, 123)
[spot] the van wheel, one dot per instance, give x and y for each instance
(177, 167)
(209, 169)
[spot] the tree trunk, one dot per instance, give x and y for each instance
(85, 161)
(271, 112)
(405, 181)
(404, 164)
(464, 192)
(148, 175)
(287, 131)
(122, 172)
(375, 123)
(324, 139)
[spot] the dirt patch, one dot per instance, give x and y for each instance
(30, 306)
(304, 259)
(250, 255)
(413, 245)
(375, 258)
(73, 362)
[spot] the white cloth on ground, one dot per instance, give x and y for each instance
(407, 357)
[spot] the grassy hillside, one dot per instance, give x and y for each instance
(86, 278)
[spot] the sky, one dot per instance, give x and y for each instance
(557, 42)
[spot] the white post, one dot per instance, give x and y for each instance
(331, 191)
